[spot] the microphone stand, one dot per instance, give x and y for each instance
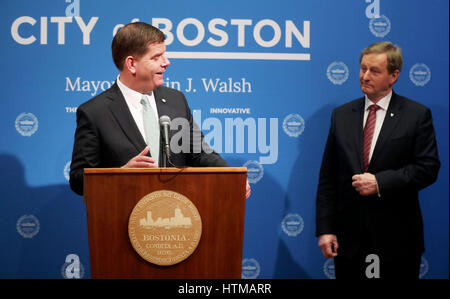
(164, 159)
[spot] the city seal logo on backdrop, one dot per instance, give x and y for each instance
(250, 269)
(328, 269)
(26, 124)
(420, 74)
(255, 171)
(66, 170)
(293, 125)
(164, 227)
(28, 226)
(423, 267)
(380, 27)
(337, 72)
(292, 224)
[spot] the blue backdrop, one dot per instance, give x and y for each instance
(276, 69)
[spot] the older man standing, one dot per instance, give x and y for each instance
(381, 150)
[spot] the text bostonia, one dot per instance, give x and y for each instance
(165, 237)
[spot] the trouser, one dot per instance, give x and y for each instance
(367, 264)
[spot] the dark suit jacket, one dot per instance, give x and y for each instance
(107, 135)
(405, 160)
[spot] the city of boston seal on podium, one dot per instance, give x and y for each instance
(164, 227)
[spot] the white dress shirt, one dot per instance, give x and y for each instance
(133, 100)
(381, 114)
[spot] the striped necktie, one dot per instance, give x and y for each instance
(368, 134)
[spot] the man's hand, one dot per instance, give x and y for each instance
(248, 190)
(141, 160)
(329, 245)
(365, 184)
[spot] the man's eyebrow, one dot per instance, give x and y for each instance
(157, 54)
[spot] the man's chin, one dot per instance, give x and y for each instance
(158, 83)
(365, 90)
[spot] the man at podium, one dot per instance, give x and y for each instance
(121, 126)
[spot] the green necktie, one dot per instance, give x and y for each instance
(151, 128)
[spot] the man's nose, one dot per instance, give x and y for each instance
(166, 61)
(365, 75)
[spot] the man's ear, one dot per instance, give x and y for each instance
(130, 64)
(394, 76)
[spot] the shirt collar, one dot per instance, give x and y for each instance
(132, 96)
(383, 103)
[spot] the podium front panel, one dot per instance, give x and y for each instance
(217, 193)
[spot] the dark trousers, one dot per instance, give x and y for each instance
(405, 266)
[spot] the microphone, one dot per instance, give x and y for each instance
(164, 122)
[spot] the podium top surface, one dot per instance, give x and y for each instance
(166, 170)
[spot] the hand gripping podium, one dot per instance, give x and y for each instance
(113, 195)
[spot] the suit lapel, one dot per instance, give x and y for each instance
(391, 119)
(122, 114)
(357, 130)
(161, 103)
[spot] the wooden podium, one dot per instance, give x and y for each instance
(218, 193)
